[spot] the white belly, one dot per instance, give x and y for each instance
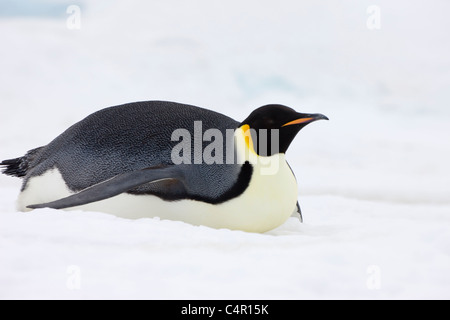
(267, 203)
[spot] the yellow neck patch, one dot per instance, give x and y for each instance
(248, 137)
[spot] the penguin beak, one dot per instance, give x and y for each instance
(306, 118)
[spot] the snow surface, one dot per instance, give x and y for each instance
(374, 181)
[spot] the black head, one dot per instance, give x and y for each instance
(274, 127)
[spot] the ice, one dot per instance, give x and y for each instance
(374, 180)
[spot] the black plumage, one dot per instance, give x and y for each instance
(133, 137)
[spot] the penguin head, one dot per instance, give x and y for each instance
(276, 124)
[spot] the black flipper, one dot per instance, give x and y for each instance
(115, 186)
(298, 213)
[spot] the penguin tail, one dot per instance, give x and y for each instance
(19, 167)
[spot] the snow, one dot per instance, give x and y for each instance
(374, 180)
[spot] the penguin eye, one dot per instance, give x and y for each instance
(269, 122)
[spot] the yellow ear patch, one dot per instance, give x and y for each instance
(248, 137)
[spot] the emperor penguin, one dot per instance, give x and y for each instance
(169, 160)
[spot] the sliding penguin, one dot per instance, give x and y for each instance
(120, 160)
